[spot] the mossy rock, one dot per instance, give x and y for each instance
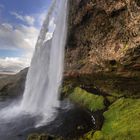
(111, 99)
(121, 122)
(66, 90)
(87, 100)
(88, 136)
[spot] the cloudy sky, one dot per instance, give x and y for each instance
(20, 22)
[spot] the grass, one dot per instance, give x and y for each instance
(122, 122)
(87, 100)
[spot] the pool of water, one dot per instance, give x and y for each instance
(71, 121)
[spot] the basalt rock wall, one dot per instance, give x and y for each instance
(102, 31)
(103, 47)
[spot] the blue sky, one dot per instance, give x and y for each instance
(23, 7)
(20, 22)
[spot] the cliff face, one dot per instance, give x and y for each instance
(101, 32)
(103, 48)
(103, 59)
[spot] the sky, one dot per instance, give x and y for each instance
(20, 23)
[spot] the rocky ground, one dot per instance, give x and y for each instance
(102, 67)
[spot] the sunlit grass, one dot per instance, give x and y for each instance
(88, 100)
(122, 122)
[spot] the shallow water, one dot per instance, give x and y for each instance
(70, 122)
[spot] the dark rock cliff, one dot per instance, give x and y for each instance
(103, 58)
(103, 48)
(100, 31)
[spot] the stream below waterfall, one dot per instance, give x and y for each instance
(71, 121)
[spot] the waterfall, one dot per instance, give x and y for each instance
(41, 95)
(44, 77)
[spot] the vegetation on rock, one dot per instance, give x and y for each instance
(87, 100)
(121, 122)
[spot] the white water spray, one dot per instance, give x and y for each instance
(41, 95)
(45, 74)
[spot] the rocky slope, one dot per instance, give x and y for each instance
(12, 85)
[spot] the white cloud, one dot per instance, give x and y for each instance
(27, 19)
(30, 20)
(17, 15)
(13, 64)
(21, 37)
(13, 38)
(17, 37)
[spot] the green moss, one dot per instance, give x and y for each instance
(111, 99)
(88, 100)
(125, 48)
(88, 136)
(122, 122)
(98, 135)
(66, 90)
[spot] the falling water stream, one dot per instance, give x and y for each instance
(45, 74)
(41, 95)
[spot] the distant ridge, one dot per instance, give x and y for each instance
(8, 72)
